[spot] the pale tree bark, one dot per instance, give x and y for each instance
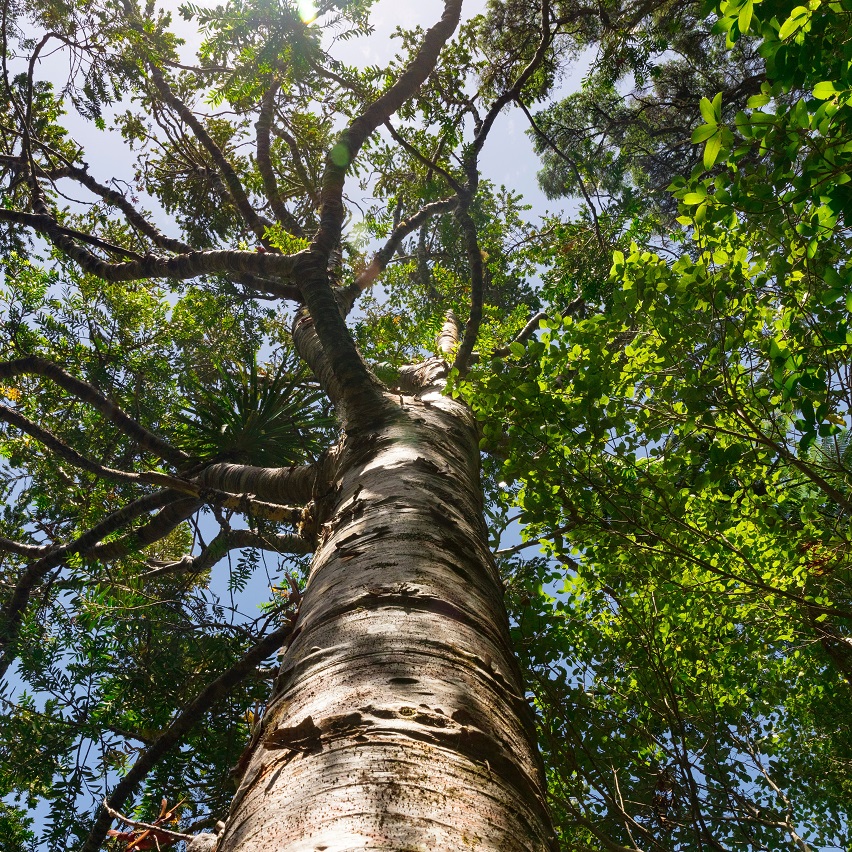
(398, 720)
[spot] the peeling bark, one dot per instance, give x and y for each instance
(398, 719)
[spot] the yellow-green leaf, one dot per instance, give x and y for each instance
(711, 150)
(798, 17)
(824, 90)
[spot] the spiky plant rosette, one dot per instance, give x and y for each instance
(271, 415)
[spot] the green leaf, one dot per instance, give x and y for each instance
(707, 111)
(798, 17)
(711, 150)
(717, 107)
(757, 101)
(703, 132)
(745, 16)
(824, 90)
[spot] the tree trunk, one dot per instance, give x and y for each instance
(398, 720)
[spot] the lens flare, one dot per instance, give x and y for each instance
(307, 10)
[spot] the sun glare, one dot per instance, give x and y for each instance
(307, 10)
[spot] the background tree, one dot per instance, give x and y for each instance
(691, 473)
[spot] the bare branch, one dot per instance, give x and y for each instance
(156, 829)
(355, 379)
(48, 225)
(225, 541)
(21, 549)
(572, 165)
(576, 308)
(431, 164)
(477, 290)
(247, 505)
(166, 520)
(383, 256)
(472, 154)
(133, 216)
(351, 140)
(264, 163)
(298, 165)
(182, 266)
(235, 188)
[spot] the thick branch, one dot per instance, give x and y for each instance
(351, 140)
(46, 224)
(133, 216)
(166, 520)
(448, 338)
(309, 349)
(297, 484)
(182, 266)
(182, 725)
(89, 394)
(31, 551)
(247, 505)
(477, 290)
(358, 384)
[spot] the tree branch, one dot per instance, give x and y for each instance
(182, 724)
(574, 309)
(357, 382)
(310, 350)
(61, 449)
(46, 224)
(351, 140)
(430, 164)
(264, 163)
(89, 394)
(509, 95)
(20, 549)
(448, 338)
(296, 484)
(298, 165)
(572, 165)
(383, 256)
(12, 611)
(477, 290)
(166, 520)
(235, 188)
(225, 541)
(188, 265)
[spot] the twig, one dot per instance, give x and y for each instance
(174, 835)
